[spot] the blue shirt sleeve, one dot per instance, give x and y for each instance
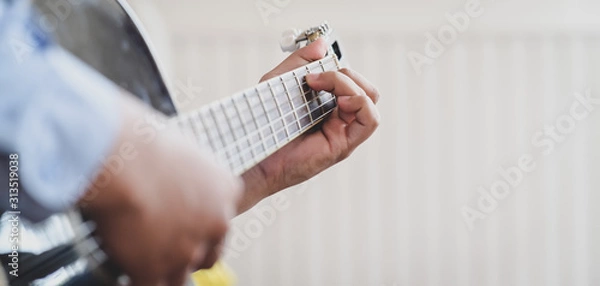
(57, 114)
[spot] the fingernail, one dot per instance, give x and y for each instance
(312, 76)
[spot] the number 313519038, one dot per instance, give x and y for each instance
(13, 178)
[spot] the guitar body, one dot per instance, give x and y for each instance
(240, 130)
(108, 37)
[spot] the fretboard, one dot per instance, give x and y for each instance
(244, 129)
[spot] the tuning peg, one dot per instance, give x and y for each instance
(289, 44)
(289, 41)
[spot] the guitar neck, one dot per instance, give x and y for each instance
(244, 129)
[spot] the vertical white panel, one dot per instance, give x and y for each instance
(478, 170)
(550, 172)
(580, 179)
(430, 172)
(344, 274)
(372, 57)
(495, 120)
(520, 77)
(399, 100)
(460, 94)
(593, 164)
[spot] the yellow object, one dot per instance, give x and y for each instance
(218, 275)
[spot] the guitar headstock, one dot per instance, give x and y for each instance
(294, 39)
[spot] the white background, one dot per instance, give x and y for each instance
(391, 214)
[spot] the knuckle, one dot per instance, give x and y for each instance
(337, 76)
(364, 100)
(344, 154)
(363, 96)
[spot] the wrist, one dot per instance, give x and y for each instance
(258, 186)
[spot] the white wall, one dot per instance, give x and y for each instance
(391, 214)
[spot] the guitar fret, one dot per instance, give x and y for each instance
(322, 66)
(237, 124)
(307, 102)
(220, 134)
(251, 125)
(269, 102)
(278, 93)
(256, 105)
(264, 150)
(247, 141)
(228, 120)
(223, 123)
(314, 107)
(287, 92)
(209, 131)
(270, 125)
(319, 97)
(281, 115)
(245, 114)
(303, 108)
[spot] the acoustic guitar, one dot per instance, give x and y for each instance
(240, 130)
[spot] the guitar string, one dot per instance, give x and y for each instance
(239, 157)
(281, 120)
(289, 108)
(295, 81)
(244, 165)
(287, 139)
(297, 84)
(232, 132)
(238, 160)
(301, 107)
(265, 153)
(321, 64)
(273, 135)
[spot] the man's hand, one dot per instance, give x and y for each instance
(351, 123)
(165, 213)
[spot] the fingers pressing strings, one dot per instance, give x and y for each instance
(356, 108)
